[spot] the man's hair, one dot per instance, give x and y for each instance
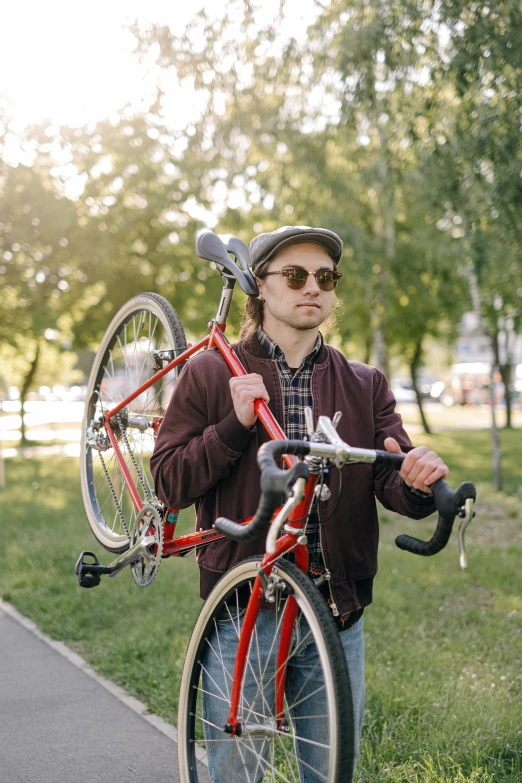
(253, 318)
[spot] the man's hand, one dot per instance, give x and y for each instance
(421, 468)
(245, 390)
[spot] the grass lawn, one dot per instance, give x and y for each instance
(458, 416)
(468, 455)
(444, 648)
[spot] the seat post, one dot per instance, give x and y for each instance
(226, 299)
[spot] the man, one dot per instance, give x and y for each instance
(207, 444)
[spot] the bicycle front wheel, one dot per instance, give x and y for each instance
(142, 337)
(315, 741)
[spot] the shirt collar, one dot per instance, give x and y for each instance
(275, 352)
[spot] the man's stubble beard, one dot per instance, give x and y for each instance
(295, 322)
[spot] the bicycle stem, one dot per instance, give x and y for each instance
(340, 453)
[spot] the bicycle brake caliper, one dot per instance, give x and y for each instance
(274, 589)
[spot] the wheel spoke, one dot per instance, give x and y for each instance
(262, 751)
(305, 682)
(221, 659)
(223, 697)
(121, 366)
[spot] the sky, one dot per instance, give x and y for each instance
(72, 62)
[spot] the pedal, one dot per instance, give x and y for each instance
(89, 574)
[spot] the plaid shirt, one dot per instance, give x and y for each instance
(297, 395)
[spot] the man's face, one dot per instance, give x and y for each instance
(307, 307)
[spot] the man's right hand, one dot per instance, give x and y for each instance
(245, 390)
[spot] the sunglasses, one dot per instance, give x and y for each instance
(296, 277)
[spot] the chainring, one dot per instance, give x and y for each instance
(148, 525)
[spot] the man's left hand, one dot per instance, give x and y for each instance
(421, 468)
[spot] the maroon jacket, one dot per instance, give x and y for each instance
(205, 456)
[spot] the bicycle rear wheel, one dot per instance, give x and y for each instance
(316, 742)
(141, 338)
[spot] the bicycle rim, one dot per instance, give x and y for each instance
(317, 743)
(146, 325)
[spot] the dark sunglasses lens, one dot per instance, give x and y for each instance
(295, 278)
(326, 281)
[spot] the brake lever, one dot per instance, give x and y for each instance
(336, 419)
(467, 516)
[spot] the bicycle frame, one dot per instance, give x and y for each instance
(217, 339)
(183, 544)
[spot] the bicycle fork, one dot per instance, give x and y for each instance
(266, 586)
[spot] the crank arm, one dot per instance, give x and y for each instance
(132, 555)
(90, 573)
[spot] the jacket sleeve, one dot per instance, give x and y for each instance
(390, 488)
(195, 447)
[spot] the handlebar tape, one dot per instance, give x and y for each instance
(390, 460)
(274, 484)
(448, 503)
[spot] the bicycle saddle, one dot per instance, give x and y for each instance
(210, 247)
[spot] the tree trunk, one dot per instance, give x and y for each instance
(384, 230)
(381, 351)
(26, 386)
(414, 370)
(495, 442)
(505, 369)
(368, 350)
(505, 373)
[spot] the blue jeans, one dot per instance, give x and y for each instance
(248, 760)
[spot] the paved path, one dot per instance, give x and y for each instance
(60, 724)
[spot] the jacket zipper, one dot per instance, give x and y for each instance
(333, 605)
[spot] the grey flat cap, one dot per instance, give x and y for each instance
(265, 246)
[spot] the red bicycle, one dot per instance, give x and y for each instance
(252, 708)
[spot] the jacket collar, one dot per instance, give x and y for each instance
(274, 351)
(255, 349)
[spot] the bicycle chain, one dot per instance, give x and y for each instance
(114, 496)
(146, 489)
(143, 577)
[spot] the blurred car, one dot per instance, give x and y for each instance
(437, 391)
(402, 393)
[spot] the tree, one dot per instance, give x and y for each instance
(135, 215)
(478, 156)
(38, 266)
(324, 131)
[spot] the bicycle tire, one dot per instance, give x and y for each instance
(207, 653)
(147, 323)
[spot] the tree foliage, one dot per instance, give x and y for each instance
(396, 125)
